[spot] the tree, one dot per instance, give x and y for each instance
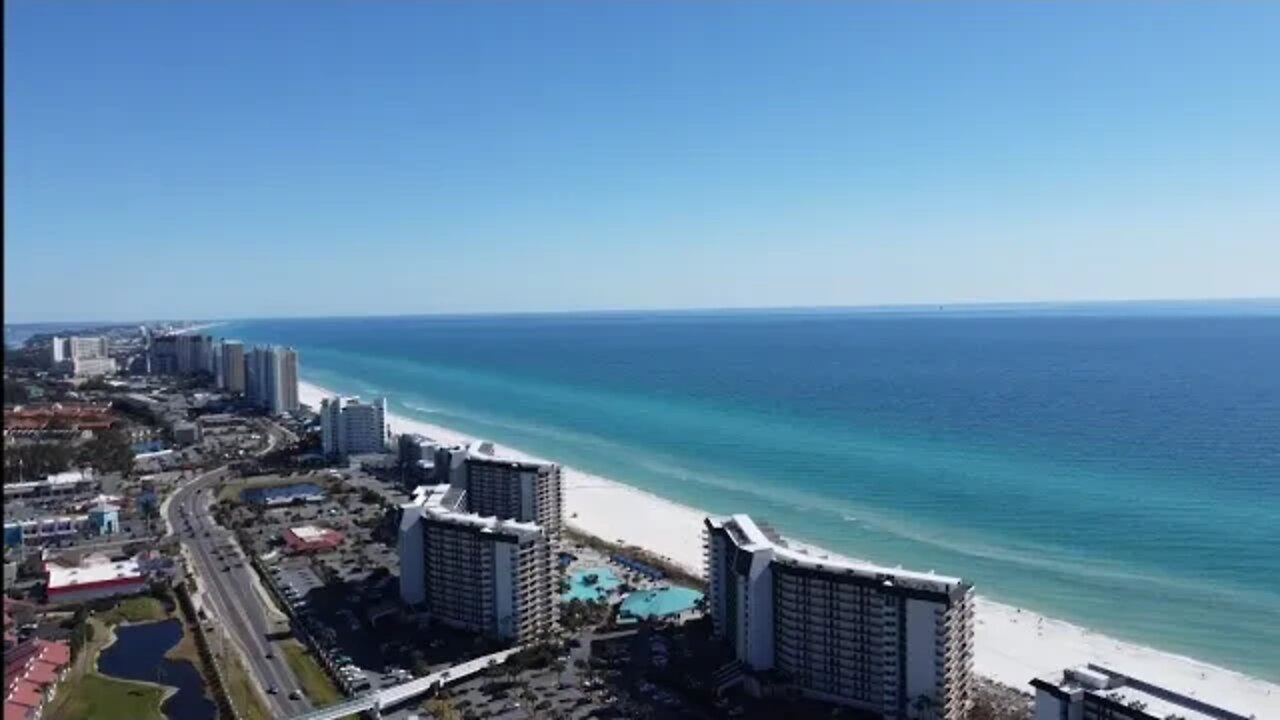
(15, 393)
(109, 451)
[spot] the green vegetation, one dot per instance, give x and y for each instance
(316, 685)
(109, 451)
(15, 393)
(96, 697)
(244, 695)
(34, 461)
(141, 608)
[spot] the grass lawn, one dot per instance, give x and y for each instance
(96, 697)
(244, 696)
(141, 608)
(317, 686)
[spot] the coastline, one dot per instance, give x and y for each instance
(1012, 645)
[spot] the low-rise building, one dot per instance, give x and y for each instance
(309, 539)
(63, 484)
(32, 671)
(1094, 692)
(94, 577)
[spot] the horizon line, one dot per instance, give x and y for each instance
(963, 306)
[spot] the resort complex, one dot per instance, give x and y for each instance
(885, 640)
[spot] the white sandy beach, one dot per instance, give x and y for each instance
(1012, 645)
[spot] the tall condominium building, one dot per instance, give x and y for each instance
(66, 349)
(1093, 692)
(82, 356)
(884, 640)
(232, 362)
(481, 574)
(271, 378)
(181, 354)
(514, 489)
(350, 427)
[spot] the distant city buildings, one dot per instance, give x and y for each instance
(887, 641)
(82, 356)
(231, 359)
(482, 574)
(351, 427)
(1093, 692)
(181, 354)
(271, 378)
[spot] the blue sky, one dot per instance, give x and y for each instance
(270, 159)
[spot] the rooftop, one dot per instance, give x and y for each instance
(1101, 682)
(93, 569)
(442, 503)
(752, 536)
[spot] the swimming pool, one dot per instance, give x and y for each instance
(660, 602)
(581, 589)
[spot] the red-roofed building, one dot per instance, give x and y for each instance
(14, 711)
(32, 672)
(309, 538)
(27, 694)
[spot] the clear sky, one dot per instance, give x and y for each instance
(209, 160)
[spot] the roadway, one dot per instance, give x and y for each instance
(229, 596)
(391, 696)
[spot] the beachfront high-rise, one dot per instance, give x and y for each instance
(232, 361)
(1094, 692)
(885, 640)
(482, 574)
(271, 378)
(514, 489)
(350, 427)
(181, 354)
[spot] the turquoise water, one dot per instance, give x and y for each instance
(1118, 470)
(661, 602)
(606, 580)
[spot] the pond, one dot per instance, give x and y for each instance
(138, 654)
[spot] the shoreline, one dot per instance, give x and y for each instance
(1012, 645)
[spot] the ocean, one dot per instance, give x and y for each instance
(1116, 467)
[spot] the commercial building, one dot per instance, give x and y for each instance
(1093, 692)
(514, 489)
(45, 530)
(231, 359)
(93, 578)
(309, 539)
(481, 574)
(63, 484)
(271, 378)
(104, 518)
(350, 427)
(883, 640)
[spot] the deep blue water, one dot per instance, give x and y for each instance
(138, 654)
(1117, 469)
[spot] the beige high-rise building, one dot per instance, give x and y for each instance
(514, 489)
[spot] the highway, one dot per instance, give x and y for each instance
(237, 609)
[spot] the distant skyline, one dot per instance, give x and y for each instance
(206, 160)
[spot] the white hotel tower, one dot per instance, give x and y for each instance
(889, 641)
(477, 573)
